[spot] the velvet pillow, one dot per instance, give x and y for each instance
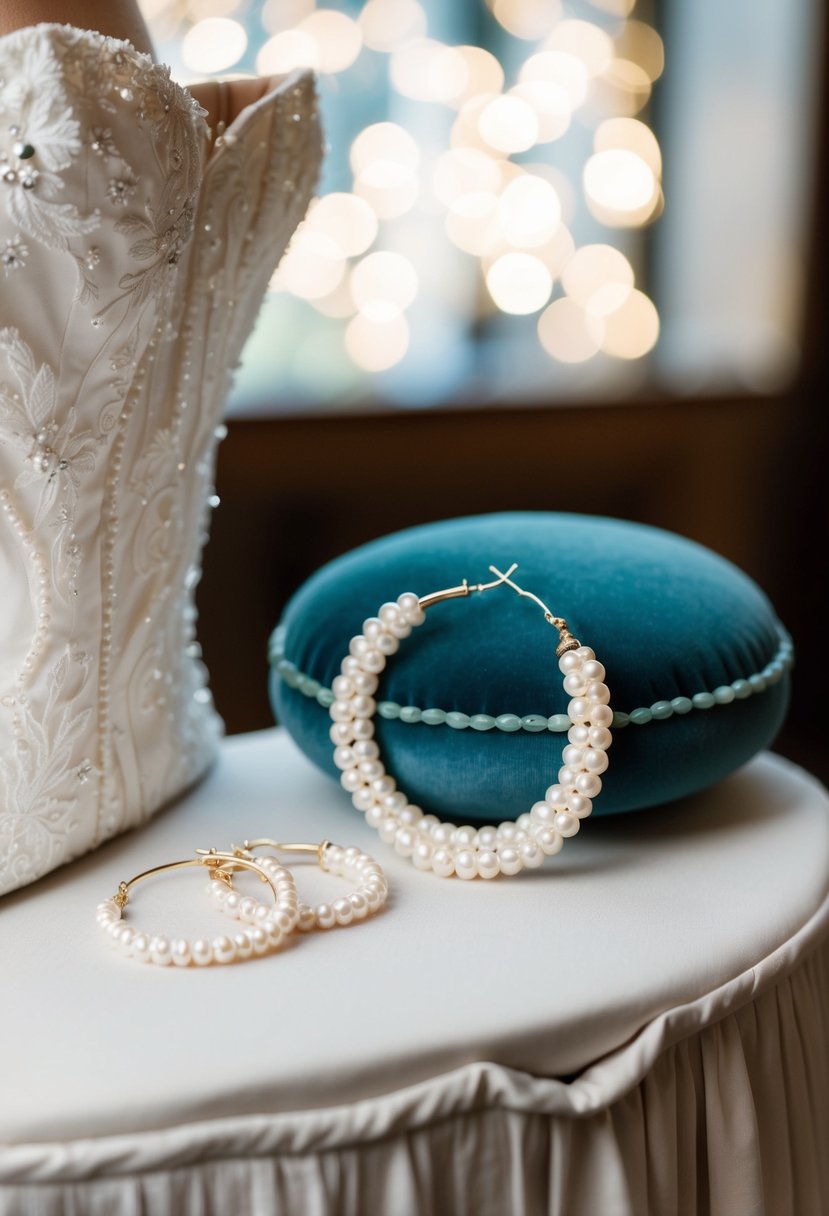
(471, 714)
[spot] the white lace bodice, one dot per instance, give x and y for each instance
(131, 270)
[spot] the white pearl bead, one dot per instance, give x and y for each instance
(579, 735)
(589, 784)
(344, 757)
(410, 609)
(595, 760)
(247, 909)
(352, 780)
(372, 661)
(358, 646)
(487, 838)
(542, 812)
(224, 951)
(466, 864)
(372, 628)
(386, 643)
(362, 728)
(343, 911)
(326, 916)
(181, 952)
(600, 737)
(343, 687)
(422, 855)
(363, 799)
(274, 933)
(341, 711)
(574, 684)
(568, 662)
(579, 805)
(160, 951)
(443, 862)
(567, 823)
(404, 842)
(598, 693)
(364, 682)
(593, 670)
(408, 813)
(350, 665)
(601, 715)
(442, 833)
(556, 795)
(259, 941)
(365, 749)
(507, 830)
(509, 860)
(579, 710)
(390, 614)
(573, 756)
(383, 785)
(307, 918)
(584, 652)
(202, 952)
(388, 831)
(376, 814)
(340, 733)
(359, 905)
(283, 919)
(488, 864)
(531, 855)
(370, 770)
(363, 706)
(141, 948)
(567, 777)
(243, 944)
(465, 837)
(125, 940)
(549, 840)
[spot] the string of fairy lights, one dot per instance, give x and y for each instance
(488, 178)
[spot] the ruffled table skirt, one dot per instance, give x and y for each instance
(713, 1099)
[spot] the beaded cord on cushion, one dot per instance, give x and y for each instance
(670, 619)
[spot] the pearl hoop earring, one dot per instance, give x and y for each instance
(442, 847)
(268, 924)
(369, 896)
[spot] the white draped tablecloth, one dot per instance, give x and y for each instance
(639, 1028)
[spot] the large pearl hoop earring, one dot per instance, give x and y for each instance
(443, 848)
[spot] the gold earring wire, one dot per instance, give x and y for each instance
(265, 842)
(207, 858)
(566, 640)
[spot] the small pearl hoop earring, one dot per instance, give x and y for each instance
(268, 924)
(442, 847)
(368, 897)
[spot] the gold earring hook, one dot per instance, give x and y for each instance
(566, 640)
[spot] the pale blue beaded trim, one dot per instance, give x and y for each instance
(737, 690)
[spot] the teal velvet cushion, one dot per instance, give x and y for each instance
(697, 663)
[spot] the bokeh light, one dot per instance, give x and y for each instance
(383, 284)
(620, 187)
(374, 345)
(388, 24)
(338, 39)
(508, 124)
(214, 44)
(526, 18)
(631, 330)
(347, 220)
(519, 283)
(567, 333)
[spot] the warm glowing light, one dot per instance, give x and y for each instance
(198, 10)
(620, 182)
(312, 268)
(339, 303)
(622, 89)
(278, 15)
(427, 70)
(632, 330)
(551, 104)
(508, 124)
(383, 285)
(640, 44)
(462, 170)
(631, 135)
(526, 18)
(388, 24)
(470, 222)
(567, 333)
(465, 129)
(348, 221)
(214, 44)
(484, 73)
(598, 278)
(285, 51)
(389, 189)
(376, 346)
(529, 212)
(384, 141)
(585, 42)
(338, 38)
(556, 253)
(519, 283)
(559, 68)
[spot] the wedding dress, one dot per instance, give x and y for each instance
(133, 259)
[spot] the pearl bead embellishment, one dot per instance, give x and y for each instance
(262, 930)
(443, 848)
(368, 897)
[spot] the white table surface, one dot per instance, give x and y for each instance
(546, 973)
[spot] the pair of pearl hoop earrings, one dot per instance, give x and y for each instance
(444, 848)
(264, 926)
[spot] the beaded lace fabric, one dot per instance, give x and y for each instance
(133, 259)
